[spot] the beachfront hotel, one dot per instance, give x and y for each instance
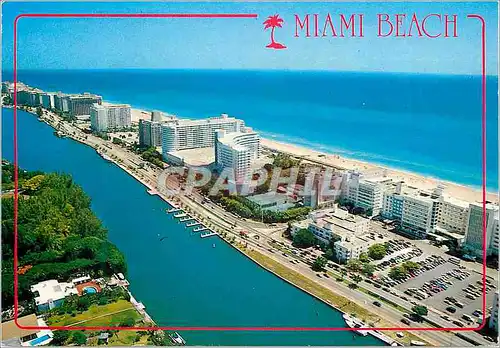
(422, 214)
(150, 133)
(236, 150)
(365, 193)
(474, 233)
(109, 117)
(192, 134)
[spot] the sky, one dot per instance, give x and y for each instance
(228, 43)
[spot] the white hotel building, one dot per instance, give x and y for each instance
(421, 213)
(474, 233)
(192, 134)
(236, 150)
(109, 117)
(365, 193)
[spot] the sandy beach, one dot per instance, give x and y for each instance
(454, 190)
(422, 182)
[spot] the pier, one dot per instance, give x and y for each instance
(208, 234)
(180, 215)
(199, 229)
(195, 223)
(173, 210)
(188, 218)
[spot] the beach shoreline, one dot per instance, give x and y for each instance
(420, 181)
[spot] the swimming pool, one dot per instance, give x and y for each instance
(89, 290)
(39, 340)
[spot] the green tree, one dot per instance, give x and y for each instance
(32, 184)
(363, 257)
(61, 337)
(377, 251)
(354, 265)
(357, 278)
(398, 273)
(303, 238)
(329, 254)
(319, 264)
(411, 266)
(368, 269)
(419, 311)
(79, 338)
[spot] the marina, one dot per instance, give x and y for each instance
(209, 234)
(193, 224)
(188, 218)
(180, 215)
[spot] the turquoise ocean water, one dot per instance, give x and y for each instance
(430, 124)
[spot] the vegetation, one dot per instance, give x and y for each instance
(402, 271)
(354, 265)
(284, 161)
(368, 269)
(7, 100)
(151, 155)
(319, 264)
(419, 312)
(248, 209)
(58, 234)
(377, 251)
(303, 238)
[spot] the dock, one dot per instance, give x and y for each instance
(199, 229)
(208, 234)
(180, 215)
(173, 210)
(188, 218)
(194, 223)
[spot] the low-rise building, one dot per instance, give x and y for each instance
(333, 223)
(13, 335)
(50, 294)
(352, 247)
(273, 201)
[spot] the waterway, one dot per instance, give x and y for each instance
(183, 280)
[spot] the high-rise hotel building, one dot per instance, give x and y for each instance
(236, 150)
(109, 117)
(191, 134)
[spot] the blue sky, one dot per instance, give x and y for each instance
(55, 43)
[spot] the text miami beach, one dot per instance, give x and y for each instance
(432, 25)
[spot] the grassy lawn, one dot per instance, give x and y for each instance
(327, 295)
(98, 315)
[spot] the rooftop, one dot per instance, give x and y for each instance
(188, 122)
(52, 290)
(11, 330)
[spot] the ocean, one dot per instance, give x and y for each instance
(182, 281)
(428, 124)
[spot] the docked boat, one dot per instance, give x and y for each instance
(177, 339)
(355, 323)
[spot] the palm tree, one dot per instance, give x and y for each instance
(273, 22)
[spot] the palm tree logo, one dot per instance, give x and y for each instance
(273, 22)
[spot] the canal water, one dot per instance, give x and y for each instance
(183, 280)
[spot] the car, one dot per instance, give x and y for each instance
(376, 303)
(445, 317)
(469, 296)
(458, 323)
(451, 309)
(405, 321)
(459, 305)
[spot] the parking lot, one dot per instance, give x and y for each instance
(455, 288)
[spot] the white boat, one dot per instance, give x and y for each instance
(177, 338)
(355, 323)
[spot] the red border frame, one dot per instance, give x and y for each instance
(198, 328)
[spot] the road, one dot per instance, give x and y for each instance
(222, 219)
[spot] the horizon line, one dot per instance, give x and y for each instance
(257, 69)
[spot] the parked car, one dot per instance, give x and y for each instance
(378, 304)
(451, 309)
